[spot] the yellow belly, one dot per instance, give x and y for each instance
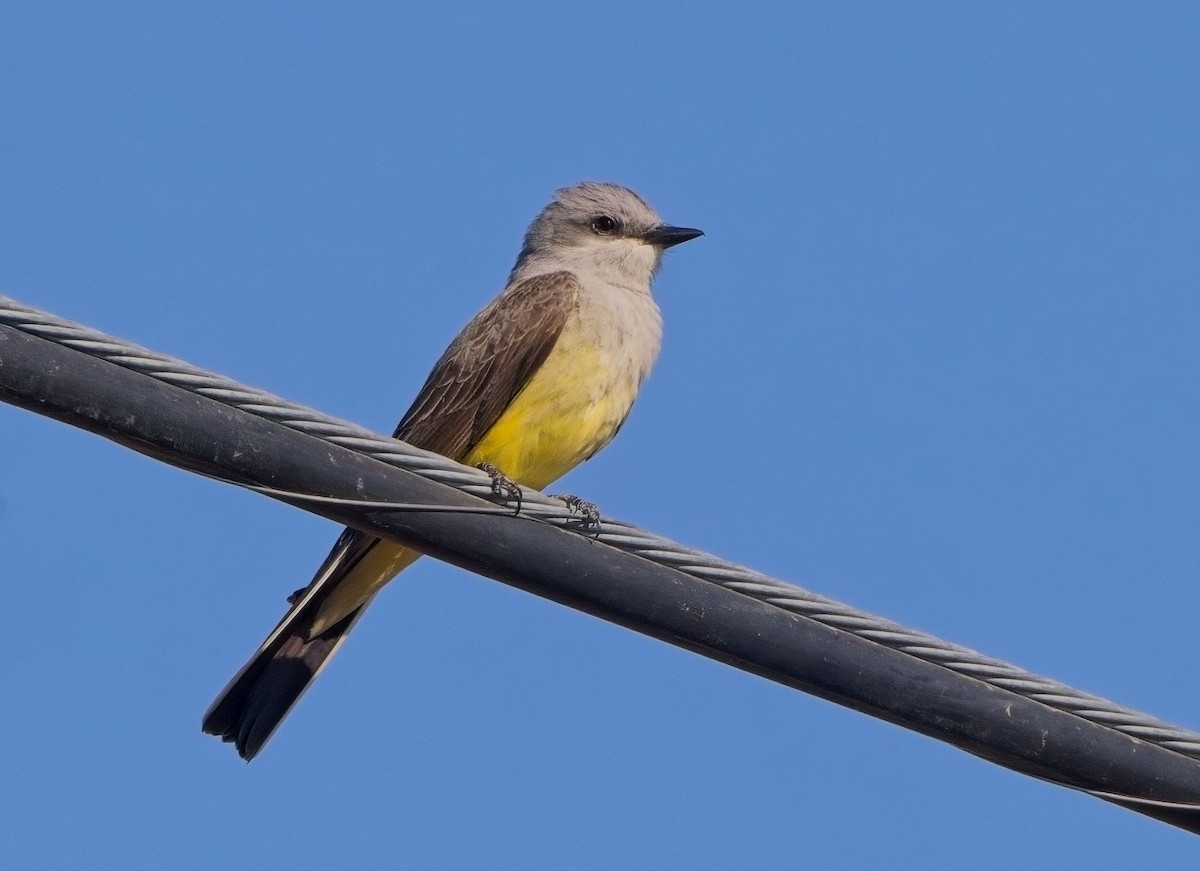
(570, 409)
(566, 413)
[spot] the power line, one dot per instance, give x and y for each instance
(203, 422)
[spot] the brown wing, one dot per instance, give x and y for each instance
(488, 364)
(479, 375)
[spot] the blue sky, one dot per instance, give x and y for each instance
(936, 356)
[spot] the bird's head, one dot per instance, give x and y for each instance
(603, 228)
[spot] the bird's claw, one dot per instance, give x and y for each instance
(589, 514)
(503, 487)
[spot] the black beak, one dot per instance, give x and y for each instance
(664, 235)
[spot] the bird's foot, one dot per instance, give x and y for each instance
(589, 514)
(503, 487)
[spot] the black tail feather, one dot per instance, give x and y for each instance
(256, 701)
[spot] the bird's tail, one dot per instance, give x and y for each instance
(252, 706)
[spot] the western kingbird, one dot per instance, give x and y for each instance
(535, 384)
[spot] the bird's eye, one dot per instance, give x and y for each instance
(605, 225)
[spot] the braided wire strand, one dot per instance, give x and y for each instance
(615, 533)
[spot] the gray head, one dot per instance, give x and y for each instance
(599, 227)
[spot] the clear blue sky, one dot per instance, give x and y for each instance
(937, 356)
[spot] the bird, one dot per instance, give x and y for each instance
(536, 383)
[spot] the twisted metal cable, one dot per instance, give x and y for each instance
(614, 533)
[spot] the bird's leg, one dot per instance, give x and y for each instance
(503, 487)
(589, 514)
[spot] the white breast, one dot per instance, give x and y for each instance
(627, 325)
